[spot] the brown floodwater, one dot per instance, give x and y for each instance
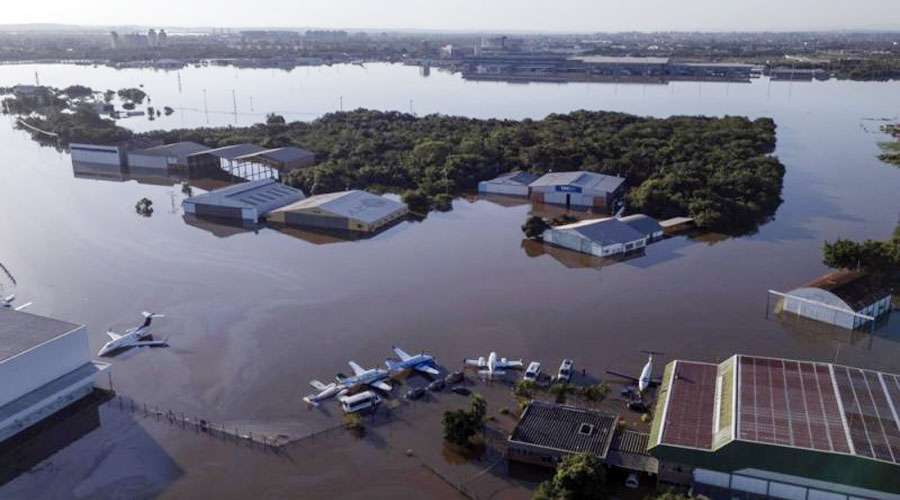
(253, 315)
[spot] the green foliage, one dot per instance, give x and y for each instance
(443, 202)
(561, 391)
(76, 91)
(596, 392)
(354, 422)
(144, 207)
(417, 201)
(273, 120)
(524, 389)
(669, 495)
(534, 227)
(461, 425)
(134, 95)
(578, 477)
(714, 169)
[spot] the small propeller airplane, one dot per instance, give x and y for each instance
(420, 362)
(133, 337)
(493, 365)
(7, 302)
(646, 380)
(373, 377)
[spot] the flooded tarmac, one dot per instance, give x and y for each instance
(252, 315)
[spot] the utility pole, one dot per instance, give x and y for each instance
(205, 107)
(234, 104)
(341, 105)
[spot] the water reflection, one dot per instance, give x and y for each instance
(573, 259)
(220, 228)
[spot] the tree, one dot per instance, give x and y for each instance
(461, 425)
(134, 95)
(578, 477)
(417, 201)
(273, 120)
(534, 227)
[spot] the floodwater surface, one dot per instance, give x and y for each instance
(253, 316)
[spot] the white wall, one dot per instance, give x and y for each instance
(147, 161)
(28, 371)
(505, 189)
(105, 155)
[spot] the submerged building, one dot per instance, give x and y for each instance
(246, 202)
(759, 427)
(45, 366)
(353, 210)
(577, 189)
(848, 299)
(514, 183)
(600, 237)
(166, 156)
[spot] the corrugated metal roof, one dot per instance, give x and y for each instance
(628, 450)
(180, 149)
(642, 223)
(232, 152)
(515, 177)
(264, 195)
(20, 331)
(622, 60)
(354, 204)
(588, 181)
(607, 231)
(565, 428)
(858, 289)
(281, 155)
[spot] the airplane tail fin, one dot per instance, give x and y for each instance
(393, 365)
(318, 385)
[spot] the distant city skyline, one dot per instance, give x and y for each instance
(472, 15)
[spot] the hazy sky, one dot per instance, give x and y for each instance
(532, 15)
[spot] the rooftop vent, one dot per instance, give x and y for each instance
(586, 429)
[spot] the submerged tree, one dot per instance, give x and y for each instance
(534, 227)
(144, 207)
(581, 476)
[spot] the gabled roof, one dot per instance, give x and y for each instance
(231, 152)
(179, 149)
(588, 181)
(516, 177)
(354, 204)
(565, 428)
(642, 223)
(608, 231)
(21, 331)
(264, 195)
(280, 155)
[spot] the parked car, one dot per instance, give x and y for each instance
(462, 391)
(453, 378)
(566, 369)
(415, 393)
(532, 372)
(436, 386)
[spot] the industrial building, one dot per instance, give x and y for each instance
(794, 428)
(345, 210)
(283, 159)
(848, 299)
(577, 189)
(246, 202)
(98, 155)
(166, 156)
(45, 365)
(648, 226)
(511, 184)
(599, 237)
(547, 432)
(250, 161)
(217, 159)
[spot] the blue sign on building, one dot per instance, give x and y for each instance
(569, 189)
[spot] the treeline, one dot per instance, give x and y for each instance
(879, 258)
(717, 170)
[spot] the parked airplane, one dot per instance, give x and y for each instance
(420, 362)
(133, 337)
(493, 365)
(342, 385)
(646, 379)
(7, 303)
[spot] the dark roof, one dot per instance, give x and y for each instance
(264, 195)
(231, 152)
(607, 231)
(858, 289)
(179, 149)
(642, 223)
(565, 428)
(280, 155)
(515, 177)
(628, 450)
(690, 403)
(20, 331)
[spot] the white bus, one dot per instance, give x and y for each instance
(360, 401)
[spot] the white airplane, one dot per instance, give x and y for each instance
(133, 337)
(7, 303)
(373, 377)
(420, 362)
(493, 365)
(646, 379)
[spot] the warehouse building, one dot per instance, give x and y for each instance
(848, 299)
(213, 161)
(511, 184)
(45, 365)
(648, 226)
(758, 427)
(97, 154)
(598, 237)
(166, 156)
(345, 210)
(283, 159)
(246, 202)
(577, 189)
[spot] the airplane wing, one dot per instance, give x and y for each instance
(356, 368)
(475, 362)
(626, 377)
(113, 335)
(319, 386)
(515, 363)
(427, 369)
(401, 354)
(151, 343)
(381, 385)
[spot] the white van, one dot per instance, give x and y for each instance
(360, 401)
(533, 372)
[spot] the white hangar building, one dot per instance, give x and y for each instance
(510, 184)
(246, 202)
(600, 237)
(578, 189)
(45, 365)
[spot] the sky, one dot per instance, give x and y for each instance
(479, 15)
